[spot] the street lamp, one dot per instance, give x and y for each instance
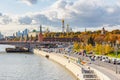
(116, 48)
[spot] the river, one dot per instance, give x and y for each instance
(22, 66)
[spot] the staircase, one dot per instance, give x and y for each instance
(89, 74)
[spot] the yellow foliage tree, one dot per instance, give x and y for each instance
(89, 47)
(108, 49)
(103, 49)
(82, 46)
(76, 46)
(98, 49)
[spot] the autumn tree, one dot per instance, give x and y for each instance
(108, 49)
(91, 41)
(76, 46)
(89, 47)
(98, 49)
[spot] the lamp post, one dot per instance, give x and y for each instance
(116, 48)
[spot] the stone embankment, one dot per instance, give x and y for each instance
(81, 72)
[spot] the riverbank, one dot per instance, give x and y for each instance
(70, 64)
(62, 61)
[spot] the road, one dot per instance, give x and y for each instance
(108, 69)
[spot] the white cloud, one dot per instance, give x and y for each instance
(110, 10)
(5, 19)
(29, 2)
(84, 13)
(79, 13)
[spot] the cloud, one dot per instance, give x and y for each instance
(25, 20)
(92, 13)
(5, 19)
(37, 19)
(79, 13)
(29, 2)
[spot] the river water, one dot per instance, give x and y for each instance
(17, 66)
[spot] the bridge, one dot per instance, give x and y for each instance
(30, 44)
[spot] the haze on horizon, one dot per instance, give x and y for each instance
(79, 14)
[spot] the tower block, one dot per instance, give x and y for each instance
(40, 35)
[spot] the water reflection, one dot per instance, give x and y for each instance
(30, 67)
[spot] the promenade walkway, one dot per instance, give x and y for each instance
(80, 72)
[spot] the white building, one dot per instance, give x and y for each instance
(47, 30)
(103, 31)
(68, 29)
(33, 34)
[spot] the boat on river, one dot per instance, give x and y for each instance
(17, 49)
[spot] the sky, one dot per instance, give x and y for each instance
(18, 15)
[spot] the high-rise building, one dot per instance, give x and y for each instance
(18, 34)
(1, 36)
(25, 32)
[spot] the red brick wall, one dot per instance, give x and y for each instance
(40, 37)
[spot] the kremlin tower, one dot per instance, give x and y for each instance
(40, 36)
(103, 31)
(63, 26)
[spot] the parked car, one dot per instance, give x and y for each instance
(79, 53)
(118, 61)
(113, 61)
(96, 57)
(105, 59)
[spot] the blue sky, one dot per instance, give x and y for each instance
(93, 14)
(17, 7)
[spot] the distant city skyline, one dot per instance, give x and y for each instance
(79, 14)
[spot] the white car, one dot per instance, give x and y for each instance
(118, 61)
(113, 60)
(105, 59)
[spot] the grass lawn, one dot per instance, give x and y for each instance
(113, 55)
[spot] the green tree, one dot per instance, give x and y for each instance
(34, 30)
